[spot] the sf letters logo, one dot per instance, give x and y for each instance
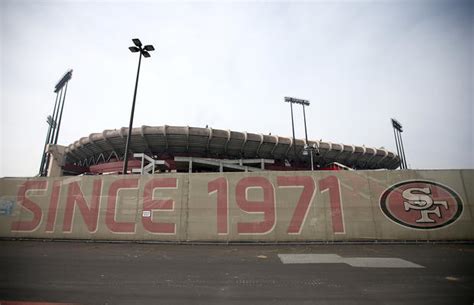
(420, 199)
(421, 204)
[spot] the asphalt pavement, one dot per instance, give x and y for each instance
(130, 273)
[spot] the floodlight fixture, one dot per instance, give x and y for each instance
(143, 50)
(137, 42)
(66, 77)
(149, 47)
(396, 124)
(296, 101)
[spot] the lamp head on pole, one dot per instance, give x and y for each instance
(143, 50)
(296, 101)
(137, 42)
(149, 48)
(396, 124)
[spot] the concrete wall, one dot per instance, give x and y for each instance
(266, 206)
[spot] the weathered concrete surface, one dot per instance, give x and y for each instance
(223, 207)
(127, 273)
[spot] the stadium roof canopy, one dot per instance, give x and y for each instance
(167, 142)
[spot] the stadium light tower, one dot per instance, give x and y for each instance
(304, 103)
(143, 51)
(54, 120)
(397, 132)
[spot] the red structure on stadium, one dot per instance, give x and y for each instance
(193, 149)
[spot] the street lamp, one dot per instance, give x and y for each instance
(143, 51)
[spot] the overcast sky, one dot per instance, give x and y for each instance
(229, 65)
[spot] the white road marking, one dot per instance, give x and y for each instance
(364, 262)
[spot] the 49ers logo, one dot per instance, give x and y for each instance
(421, 204)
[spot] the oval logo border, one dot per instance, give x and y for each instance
(386, 213)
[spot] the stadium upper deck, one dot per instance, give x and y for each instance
(176, 145)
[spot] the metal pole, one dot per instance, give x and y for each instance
(43, 159)
(46, 165)
(293, 128)
(305, 130)
(55, 115)
(60, 115)
(125, 156)
(54, 111)
(48, 136)
(306, 137)
(54, 132)
(400, 146)
(403, 151)
(55, 104)
(398, 150)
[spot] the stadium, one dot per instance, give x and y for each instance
(155, 149)
(193, 149)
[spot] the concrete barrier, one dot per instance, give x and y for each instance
(225, 207)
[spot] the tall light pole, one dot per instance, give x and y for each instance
(304, 103)
(307, 146)
(143, 51)
(54, 120)
(397, 132)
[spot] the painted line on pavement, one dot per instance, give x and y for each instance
(359, 262)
